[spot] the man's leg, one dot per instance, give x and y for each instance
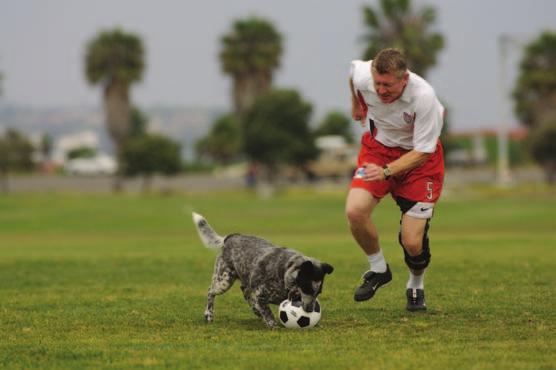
(414, 240)
(359, 207)
(416, 195)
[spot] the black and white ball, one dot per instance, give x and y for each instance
(293, 316)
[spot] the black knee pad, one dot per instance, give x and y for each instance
(419, 262)
(422, 260)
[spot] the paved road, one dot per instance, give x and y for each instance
(47, 183)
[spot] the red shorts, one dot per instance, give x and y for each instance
(422, 184)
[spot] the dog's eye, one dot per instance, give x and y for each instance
(307, 289)
(317, 286)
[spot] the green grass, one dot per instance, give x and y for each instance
(102, 281)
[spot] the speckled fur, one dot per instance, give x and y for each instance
(268, 274)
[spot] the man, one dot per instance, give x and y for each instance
(400, 154)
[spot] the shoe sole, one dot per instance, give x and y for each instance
(416, 309)
(362, 299)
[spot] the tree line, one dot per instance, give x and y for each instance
(270, 125)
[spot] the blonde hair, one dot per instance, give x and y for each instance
(390, 61)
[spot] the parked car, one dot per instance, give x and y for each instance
(101, 164)
(337, 158)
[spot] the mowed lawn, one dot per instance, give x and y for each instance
(104, 281)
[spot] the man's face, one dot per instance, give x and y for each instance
(388, 86)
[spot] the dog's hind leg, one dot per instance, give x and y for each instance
(222, 280)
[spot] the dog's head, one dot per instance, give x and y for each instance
(309, 279)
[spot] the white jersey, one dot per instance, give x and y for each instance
(413, 121)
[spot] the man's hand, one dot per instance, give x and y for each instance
(356, 112)
(406, 162)
(373, 172)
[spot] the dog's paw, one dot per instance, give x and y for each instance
(294, 294)
(273, 325)
(208, 317)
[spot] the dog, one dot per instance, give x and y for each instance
(269, 274)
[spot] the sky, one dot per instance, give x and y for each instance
(42, 44)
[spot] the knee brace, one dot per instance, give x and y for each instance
(422, 260)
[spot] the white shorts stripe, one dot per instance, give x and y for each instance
(421, 210)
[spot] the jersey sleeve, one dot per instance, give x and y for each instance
(352, 67)
(357, 74)
(428, 124)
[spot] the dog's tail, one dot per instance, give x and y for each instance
(208, 236)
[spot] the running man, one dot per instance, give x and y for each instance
(400, 154)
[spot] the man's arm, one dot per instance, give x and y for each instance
(406, 162)
(356, 111)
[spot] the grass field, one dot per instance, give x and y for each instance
(102, 281)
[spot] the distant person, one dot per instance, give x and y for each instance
(251, 175)
(400, 154)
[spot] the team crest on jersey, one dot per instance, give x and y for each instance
(409, 118)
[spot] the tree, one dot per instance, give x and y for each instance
(448, 143)
(223, 143)
(535, 91)
(276, 131)
(45, 146)
(139, 122)
(82, 152)
(115, 60)
(336, 123)
(397, 25)
(250, 54)
(16, 154)
(542, 145)
(149, 154)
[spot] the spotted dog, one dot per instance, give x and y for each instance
(268, 273)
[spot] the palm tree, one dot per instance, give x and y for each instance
(535, 91)
(398, 26)
(250, 54)
(115, 60)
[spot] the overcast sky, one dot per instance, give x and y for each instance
(42, 43)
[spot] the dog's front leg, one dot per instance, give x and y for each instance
(248, 295)
(260, 307)
(266, 314)
(293, 294)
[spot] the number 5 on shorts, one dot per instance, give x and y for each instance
(429, 190)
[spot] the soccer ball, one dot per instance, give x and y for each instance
(293, 316)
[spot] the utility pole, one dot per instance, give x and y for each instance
(503, 174)
(506, 43)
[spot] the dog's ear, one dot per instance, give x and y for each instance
(327, 269)
(306, 268)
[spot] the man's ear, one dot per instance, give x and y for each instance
(405, 78)
(327, 269)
